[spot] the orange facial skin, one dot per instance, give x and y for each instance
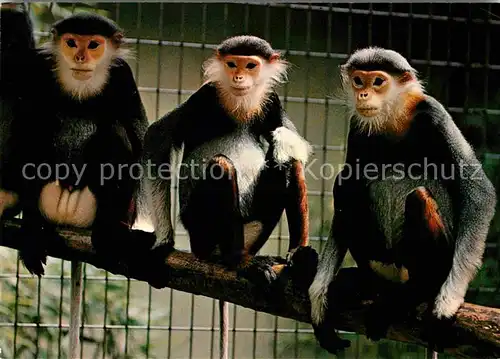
(242, 72)
(370, 88)
(83, 53)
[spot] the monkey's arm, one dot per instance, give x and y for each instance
(134, 117)
(162, 137)
(474, 201)
(288, 143)
(348, 194)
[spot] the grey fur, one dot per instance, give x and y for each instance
(246, 155)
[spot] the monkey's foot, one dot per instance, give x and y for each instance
(377, 321)
(303, 263)
(259, 271)
(157, 258)
(329, 339)
(438, 333)
(33, 249)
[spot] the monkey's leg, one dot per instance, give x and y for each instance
(431, 243)
(349, 199)
(425, 236)
(109, 177)
(213, 217)
(35, 233)
(302, 257)
(111, 230)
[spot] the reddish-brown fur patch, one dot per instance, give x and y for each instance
(298, 216)
(402, 123)
(431, 214)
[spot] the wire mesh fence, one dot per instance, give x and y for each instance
(452, 47)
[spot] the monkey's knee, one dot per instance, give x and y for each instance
(421, 203)
(7, 200)
(422, 214)
(219, 168)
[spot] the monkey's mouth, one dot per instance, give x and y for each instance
(368, 111)
(82, 71)
(240, 90)
(82, 74)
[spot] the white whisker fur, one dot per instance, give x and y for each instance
(244, 107)
(395, 100)
(78, 89)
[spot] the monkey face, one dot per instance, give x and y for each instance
(370, 89)
(83, 53)
(242, 73)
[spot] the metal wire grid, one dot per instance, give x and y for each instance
(308, 11)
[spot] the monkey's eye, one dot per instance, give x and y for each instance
(71, 43)
(231, 64)
(378, 81)
(357, 81)
(93, 45)
(251, 65)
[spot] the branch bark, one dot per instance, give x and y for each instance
(477, 328)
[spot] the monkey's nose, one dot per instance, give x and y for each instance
(363, 95)
(79, 58)
(238, 78)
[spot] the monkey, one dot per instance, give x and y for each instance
(15, 53)
(86, 125)
(242, 163)
(412, 203)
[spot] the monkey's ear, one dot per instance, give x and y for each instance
(274, 57)
(218, 55)
(406, 77)
(117, 38)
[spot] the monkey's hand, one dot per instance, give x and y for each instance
(62, 206)
(259, 271)
(436, 331)
(289, 145)
(377, 320)
(447, 302)
(303, 262)
(328, 338)
(7, 200)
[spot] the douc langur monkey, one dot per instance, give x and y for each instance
(15, 53)
(87, 125)
(242, 163)
(412, 204)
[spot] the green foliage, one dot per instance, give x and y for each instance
(99, 300)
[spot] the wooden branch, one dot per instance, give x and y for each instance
(477, 329)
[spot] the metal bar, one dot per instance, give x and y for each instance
(370, 24)
(321, 101)
(334, 55)
(385, 13)
(410, 28)
(105, 326)
(325, 126)
(156, 327)
(38, 316)
(429, 43)
(16, 305)
(389, 24)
